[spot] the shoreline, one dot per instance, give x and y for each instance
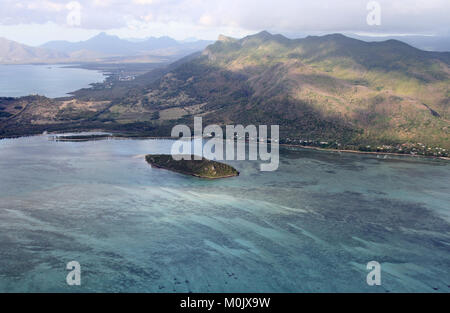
(120, 136)
(366, 152)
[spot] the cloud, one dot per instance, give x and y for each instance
(285, 16)
(144, 1)
(102, 3)
(206, 20)
(46, 6)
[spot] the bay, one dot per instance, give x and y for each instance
(47, 80)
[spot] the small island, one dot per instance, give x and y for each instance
(199, 168)
(76, 138)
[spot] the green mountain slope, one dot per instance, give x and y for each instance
(318, 88)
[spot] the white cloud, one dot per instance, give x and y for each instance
(102, 3)
(46, 6)
(206, 20)
(144, 2)
(241, 16)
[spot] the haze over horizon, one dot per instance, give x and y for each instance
(36, 22)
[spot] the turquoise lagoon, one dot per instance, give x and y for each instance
(311, 226)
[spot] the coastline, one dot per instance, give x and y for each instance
(119, 136)
(366, 152)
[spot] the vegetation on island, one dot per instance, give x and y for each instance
(203, 168)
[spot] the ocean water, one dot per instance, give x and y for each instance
(311, 226)
(47, 80)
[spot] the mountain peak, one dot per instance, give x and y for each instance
(224, 38)
(104, 36)
(330, 37)
(263, 35)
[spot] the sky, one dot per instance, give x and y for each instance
(34, 22)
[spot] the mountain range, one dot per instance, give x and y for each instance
(13, 52)
(429, 43)
(97, 48)
(327, 88)
(108, 45)
(334, 90)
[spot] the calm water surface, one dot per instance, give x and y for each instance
(46, 80)
(312, 226)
